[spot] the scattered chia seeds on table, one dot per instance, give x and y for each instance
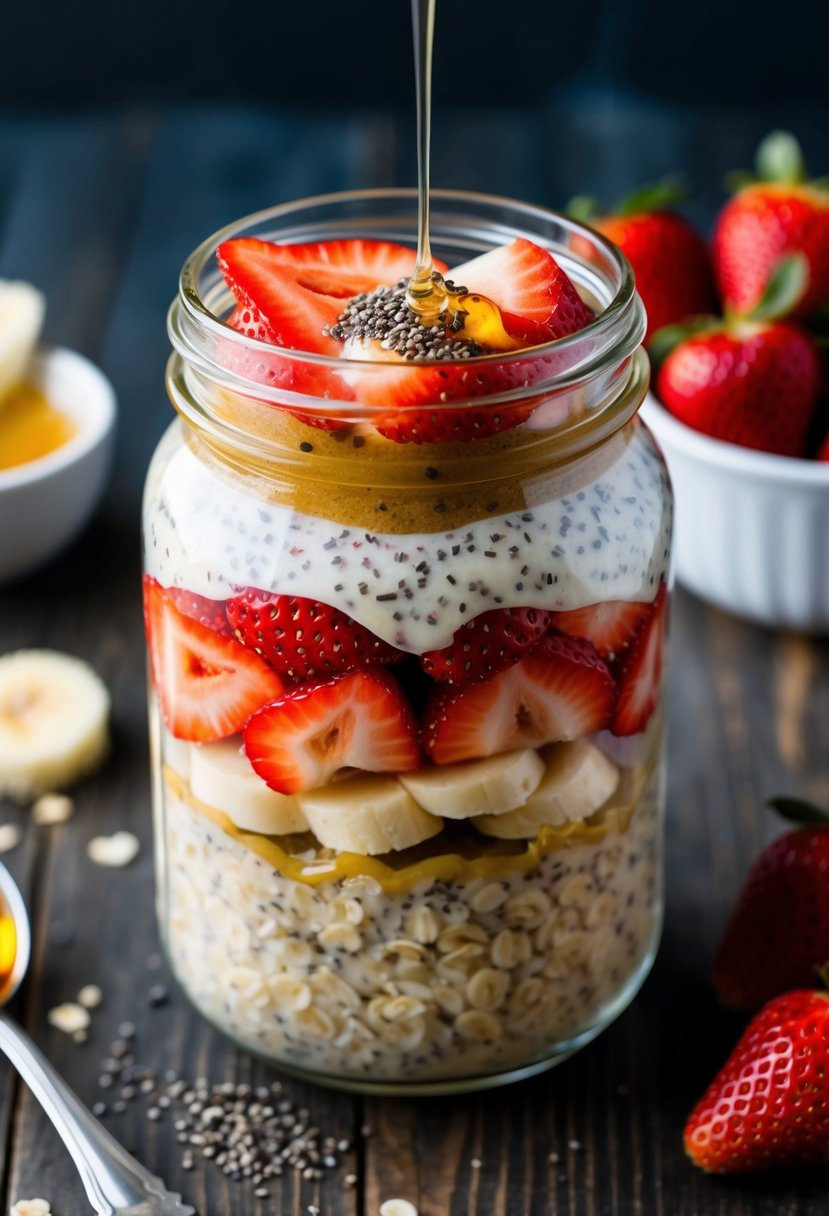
(250, 1133)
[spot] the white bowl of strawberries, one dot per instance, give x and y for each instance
(739, 401)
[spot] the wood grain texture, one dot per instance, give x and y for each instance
(100, 211)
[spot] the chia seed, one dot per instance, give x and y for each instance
(383, 315)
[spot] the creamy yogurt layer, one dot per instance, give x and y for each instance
(608, 539)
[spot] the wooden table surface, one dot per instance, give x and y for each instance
(99, 210)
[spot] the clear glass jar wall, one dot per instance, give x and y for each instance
(472, 906)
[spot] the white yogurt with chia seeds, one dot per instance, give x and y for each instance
(608, 539)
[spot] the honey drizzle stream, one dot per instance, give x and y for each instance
(426, 295)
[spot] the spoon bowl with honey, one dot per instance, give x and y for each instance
(115, 1183)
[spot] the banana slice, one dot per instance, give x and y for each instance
(176, 753)
(577, 781)
(54, 715)
(367, 814)
(221, 776)
(492, 786)
(22, 308)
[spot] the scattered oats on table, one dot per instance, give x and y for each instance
(69, 1017)
(116, 850)
(50, 809)
(30, 1207)
(90, 996)
(10, 837)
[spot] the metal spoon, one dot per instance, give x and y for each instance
(113, 1180)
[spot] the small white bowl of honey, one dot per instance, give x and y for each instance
(57, 426)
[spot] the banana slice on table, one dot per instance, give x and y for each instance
(22, 308)
(54, 722)
(476, 787)
(578, 779)
(221, 775)
(368, 814)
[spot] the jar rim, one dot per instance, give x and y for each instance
(198, 332)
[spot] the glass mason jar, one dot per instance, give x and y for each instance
(477, 910)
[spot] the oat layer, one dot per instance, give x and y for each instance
(448, 981)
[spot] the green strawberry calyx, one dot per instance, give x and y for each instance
(661, 195)
(783, 292)
(796, 810)
(666, 339)
(779, 158)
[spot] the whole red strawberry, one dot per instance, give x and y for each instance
(780, 213)
(753, 383)
(778, 934)
(670, 259)
(769, 1104)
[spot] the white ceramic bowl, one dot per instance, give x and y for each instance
(752, 529)
(45, 503)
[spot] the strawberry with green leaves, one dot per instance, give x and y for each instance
(768, 1107)
(778, 934)
(754, 380)
(776, 212)
(670, 259)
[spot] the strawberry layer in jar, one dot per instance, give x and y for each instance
(406, 592)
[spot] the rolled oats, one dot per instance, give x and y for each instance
(348, 910)
(458, 935)
(443, 980)
(290, 993)
(528, 909)
(479, 1026)
(340, 936)
(488, 989)
(423, 924)
(510, 948)
(489, 897)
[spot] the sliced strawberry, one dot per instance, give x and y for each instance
(299, 290)
(639, 671)
(292, 314)
(486, 644)
(538, 301)
(210, 613)
(208, 685)
(304, 639)
(360, 720)
(561, 690)
(610, 625)
(292, 295)
(249, 321)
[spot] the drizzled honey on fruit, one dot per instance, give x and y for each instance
(30, 427)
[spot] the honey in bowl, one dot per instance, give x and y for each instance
(30, 427)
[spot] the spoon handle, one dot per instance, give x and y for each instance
(115, 1183)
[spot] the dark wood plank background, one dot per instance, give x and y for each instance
(100, 210)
